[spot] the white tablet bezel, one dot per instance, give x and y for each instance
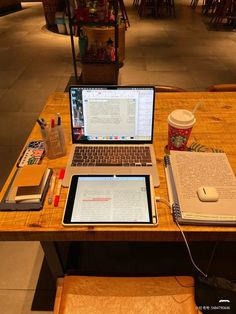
(66, 220)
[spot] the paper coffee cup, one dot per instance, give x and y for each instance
(180, 123)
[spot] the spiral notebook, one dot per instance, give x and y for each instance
(185, 173)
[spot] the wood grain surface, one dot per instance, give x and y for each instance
(151, 295)
(215, 127)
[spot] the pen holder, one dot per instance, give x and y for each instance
(54, 141)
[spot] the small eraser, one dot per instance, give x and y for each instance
(207, 194)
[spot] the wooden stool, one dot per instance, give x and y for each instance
(122, 295)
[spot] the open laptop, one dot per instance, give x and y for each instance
(112, 131)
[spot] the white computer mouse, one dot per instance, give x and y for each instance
(207, 194)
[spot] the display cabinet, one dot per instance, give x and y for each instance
(97, 40)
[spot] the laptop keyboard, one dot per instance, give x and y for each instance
(112, 156)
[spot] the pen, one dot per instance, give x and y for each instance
(44, 122)
(58, 119)
(58, 191)
(52, 123)
(40, 124)
(51, 188)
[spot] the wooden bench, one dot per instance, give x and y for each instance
(133, 295)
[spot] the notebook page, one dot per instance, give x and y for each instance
(192, 170)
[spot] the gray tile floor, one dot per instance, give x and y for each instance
(35, 62)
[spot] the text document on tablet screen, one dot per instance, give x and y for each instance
(111, 199)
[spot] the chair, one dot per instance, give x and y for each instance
(146, 5)
(136, 3)
(221, 12)
(193, 4)
(209, 7)
(158, 7)
(166, 8)
(133, 295)
(222, 88)
(168, 89)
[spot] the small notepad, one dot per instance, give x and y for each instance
(27, 189)
(30, 188)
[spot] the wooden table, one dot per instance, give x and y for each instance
(215, 127)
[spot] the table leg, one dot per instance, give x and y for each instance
(53, 258)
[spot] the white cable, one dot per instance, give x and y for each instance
(189, 252)
(162, 200)
(159, 199)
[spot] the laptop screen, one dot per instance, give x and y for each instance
(112, 114)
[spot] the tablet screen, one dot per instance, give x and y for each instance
(109, 200)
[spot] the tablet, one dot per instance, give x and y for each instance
(110, 200)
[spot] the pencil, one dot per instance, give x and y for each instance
(51, 188)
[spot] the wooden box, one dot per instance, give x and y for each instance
(99, 73)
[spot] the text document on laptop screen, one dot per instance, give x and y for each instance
(109, 200)
(112, 113)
